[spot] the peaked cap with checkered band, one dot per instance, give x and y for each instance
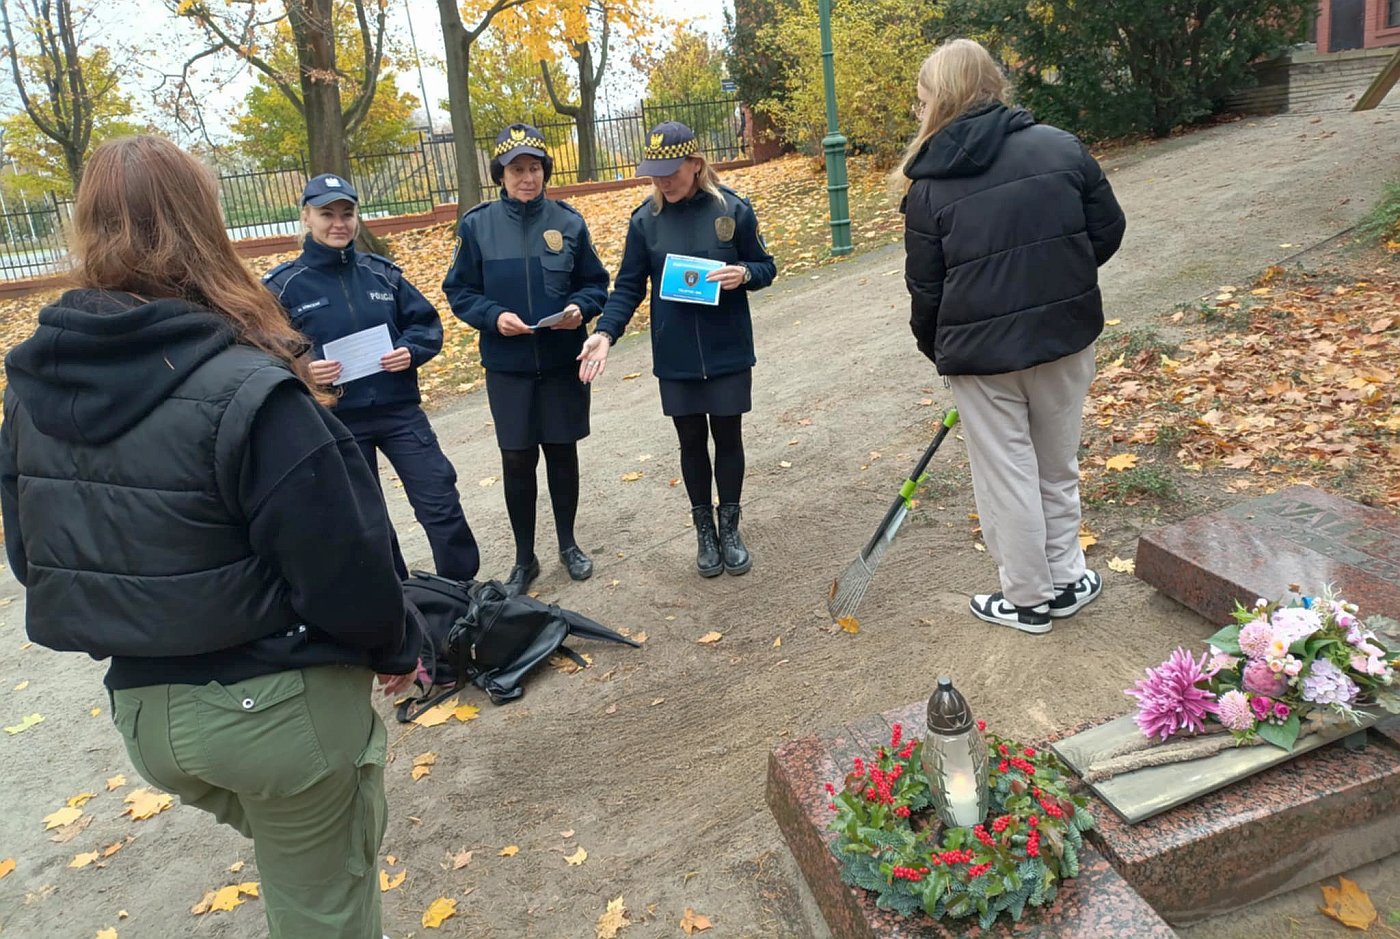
(668, 144)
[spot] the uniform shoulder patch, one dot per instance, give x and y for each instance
(279, 269)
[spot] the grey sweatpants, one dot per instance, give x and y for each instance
(1022, 431)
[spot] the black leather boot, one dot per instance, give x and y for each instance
(521, 576)
(707, 558)
(731, 545)
(578, 564)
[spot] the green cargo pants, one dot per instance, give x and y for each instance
(293, 760)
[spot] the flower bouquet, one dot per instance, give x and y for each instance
(1282, 668)
(890, 843)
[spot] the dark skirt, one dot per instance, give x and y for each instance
(530, 409)
(724, 396)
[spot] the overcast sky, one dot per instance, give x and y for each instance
(171, 43)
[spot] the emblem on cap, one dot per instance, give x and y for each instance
(658, 139)
(332, 182)
(724, 228)
(554, 239)
(517, 133)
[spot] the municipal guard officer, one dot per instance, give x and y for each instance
(525, 274)
(702, 354)
(332, 291)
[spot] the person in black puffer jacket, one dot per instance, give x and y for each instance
(1006, 224)
(176, 500)
(522, 259)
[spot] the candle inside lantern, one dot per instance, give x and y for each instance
(959, 779)
(955, 759)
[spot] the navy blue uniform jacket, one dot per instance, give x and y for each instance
(531, 259)
(330, 293)
(692, 340)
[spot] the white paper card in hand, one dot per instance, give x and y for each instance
(359, 353)
(550, 320)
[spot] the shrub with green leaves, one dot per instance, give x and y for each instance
(1132, 66)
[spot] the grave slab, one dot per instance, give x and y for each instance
(1317, 815)
(1257, 548)
(1097, 903)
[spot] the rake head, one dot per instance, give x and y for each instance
(848, 590)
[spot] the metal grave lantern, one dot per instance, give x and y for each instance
(955, 759)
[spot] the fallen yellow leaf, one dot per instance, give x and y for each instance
(1122, 565)
(418, 772)
(143, 803)
(1111, 322)
(202, 907)
(225, 899)
(108, 933)
(6, 866)
(387, 883)
(437, 714)
(1087, 539)
(849, 624)
(94, 712)
(632, 476)
(1123, 461)
(778, 643)
(439, 910)
(115, 782)
(1348, 904)
(22, 685)
(423, 765)
(466, 712)
(25, 723)
(461, 859)
(64, 816)
(693, 922)
(613, 919)
(509, 850)
(115, 846)
(249, 889)
(82, 860)
(577, 858)
(486, 481)
(79, 800)
(710, 637)
(631, 375)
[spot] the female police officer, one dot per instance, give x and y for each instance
(331, 291)
(702, 354)
(520, 260)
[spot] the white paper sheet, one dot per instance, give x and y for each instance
(549, 320)
(359, 353)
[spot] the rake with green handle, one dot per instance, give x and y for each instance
(848, 590)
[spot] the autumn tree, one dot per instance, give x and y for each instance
(271, 130)
(248, 29)
(585, 31)
(67, 85)
(508, 87)
(692, 69)
(877, 45)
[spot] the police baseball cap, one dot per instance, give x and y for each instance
(518, 140)
(668, 144)
(328, 188)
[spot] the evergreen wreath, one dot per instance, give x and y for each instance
(890, 843)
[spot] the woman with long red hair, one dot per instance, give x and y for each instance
(176, 500)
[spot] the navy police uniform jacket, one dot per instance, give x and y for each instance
(531, 259)
(330, 293)
(691, 340)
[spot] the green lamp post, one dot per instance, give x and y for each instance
(834, 145)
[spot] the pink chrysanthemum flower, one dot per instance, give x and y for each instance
(1170, 699)
(1254, 638)
(1232, 710)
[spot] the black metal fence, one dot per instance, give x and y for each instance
(265, 203)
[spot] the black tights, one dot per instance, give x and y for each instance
(522, 491)
(694, 431)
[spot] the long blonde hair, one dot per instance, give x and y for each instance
(956, 77)
(147, 221)
(705, 176)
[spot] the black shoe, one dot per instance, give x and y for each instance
(578, 564)
(521, 577)
(707, 558)
(1076, 596)
(995, 608)
(735, 554)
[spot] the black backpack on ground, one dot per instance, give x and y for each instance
(474, 633)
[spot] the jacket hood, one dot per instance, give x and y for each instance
(970, 144)
(101, 361)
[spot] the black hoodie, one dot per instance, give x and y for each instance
(94, 377)
(1006, 223)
